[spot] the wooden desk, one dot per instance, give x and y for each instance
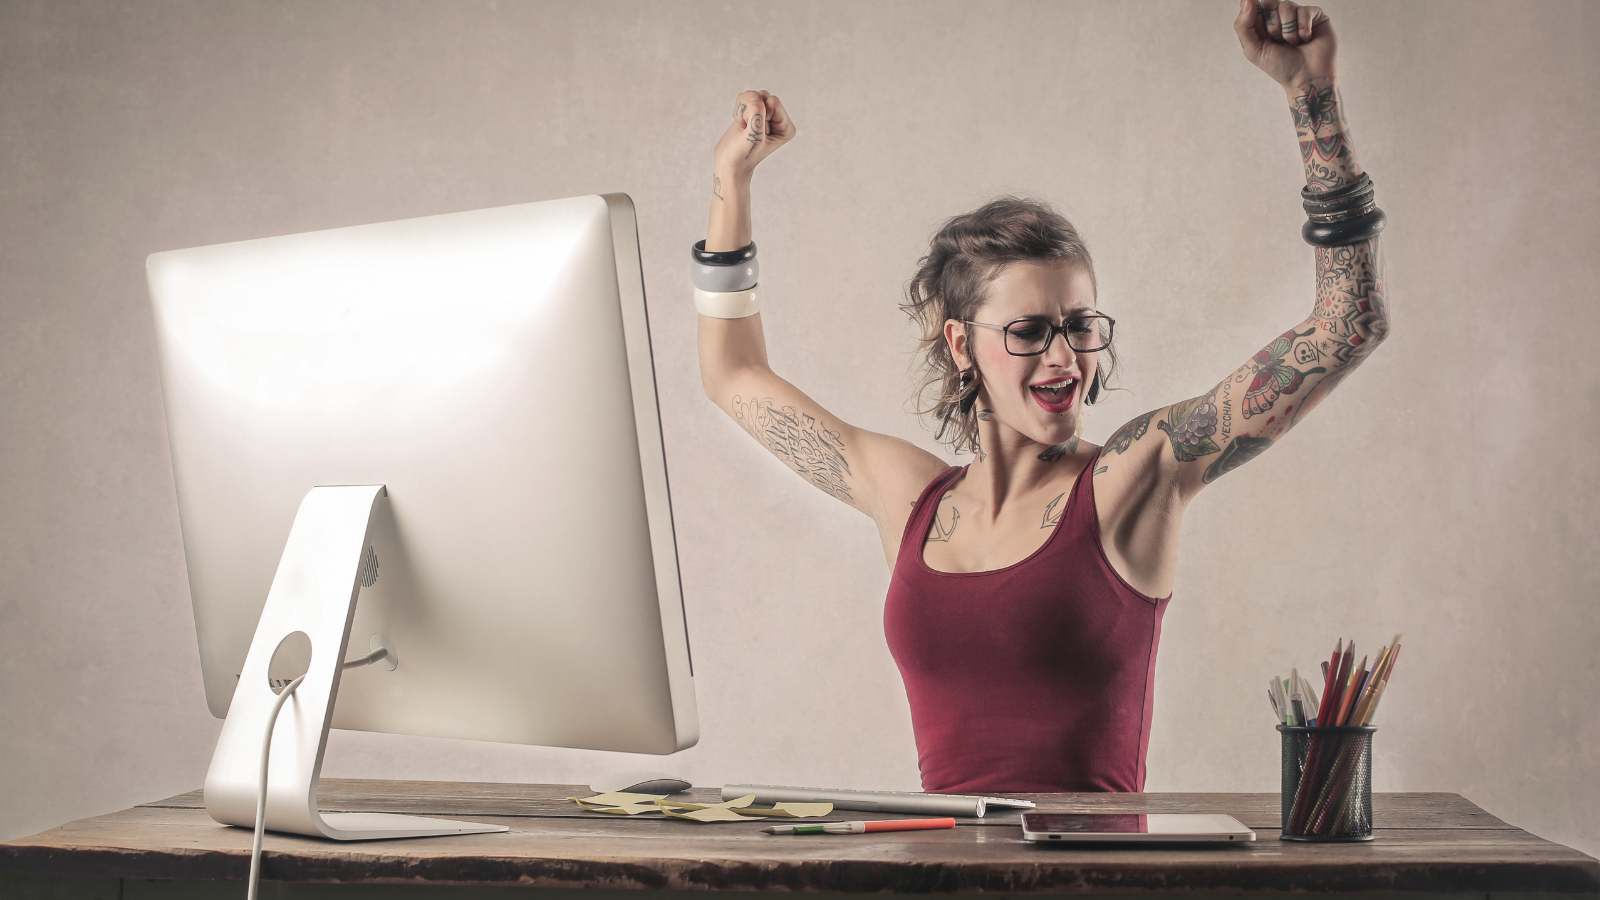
(1436, 844)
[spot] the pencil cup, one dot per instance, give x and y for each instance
(1327, 783)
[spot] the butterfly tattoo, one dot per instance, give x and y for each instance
(1274, 377)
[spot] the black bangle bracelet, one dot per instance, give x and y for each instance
(1346, 205)
(1360, 184)
(1346, 232)
(1368, 204)
(723, 257)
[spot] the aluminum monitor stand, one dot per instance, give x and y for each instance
(314, 591)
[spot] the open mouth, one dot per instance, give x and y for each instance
(1055, 396)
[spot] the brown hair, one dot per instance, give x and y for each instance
(952, 282)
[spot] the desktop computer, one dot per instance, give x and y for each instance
(434, 446)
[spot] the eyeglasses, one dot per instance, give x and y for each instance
(1032, 336)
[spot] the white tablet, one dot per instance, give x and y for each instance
(1141, 827)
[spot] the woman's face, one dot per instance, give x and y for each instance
(1039, 396)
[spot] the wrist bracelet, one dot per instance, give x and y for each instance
(1343, 215)
(1346, 231)
(1349, 205)
(1360, 184)
(1348, 214)
(722, 257)
(724, 279)
(728, 304)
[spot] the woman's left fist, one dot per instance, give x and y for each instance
(1292, 43)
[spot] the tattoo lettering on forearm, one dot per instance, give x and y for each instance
(755, 135)
(1237, 453)
(1225, 404)
(1189, 426)
(1052, 512)
(716, 186)
(804, 444)
(939, 531)
(1131, 431)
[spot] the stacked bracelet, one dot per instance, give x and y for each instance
(1342, 216)
(725, 281)
(722, 257)
(728, 304)
(741, 277)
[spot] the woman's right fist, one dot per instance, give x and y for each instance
(760, 126)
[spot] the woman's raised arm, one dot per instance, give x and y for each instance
(872, 472)
(1239, 419)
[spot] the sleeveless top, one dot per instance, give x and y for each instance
(1032, 678)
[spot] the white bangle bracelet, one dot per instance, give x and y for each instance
(732, 305)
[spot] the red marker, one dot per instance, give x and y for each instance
(862, 827)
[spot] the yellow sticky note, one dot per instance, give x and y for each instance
(710, 814)
(718, 812)
(620, 803)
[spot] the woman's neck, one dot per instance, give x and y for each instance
(1010, 465)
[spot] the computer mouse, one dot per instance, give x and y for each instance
(641, 783)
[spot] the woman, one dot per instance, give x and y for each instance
(1023, 607)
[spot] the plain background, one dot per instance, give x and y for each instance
(1447, 491)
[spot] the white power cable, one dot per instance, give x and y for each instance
(266, 750)
(261, 795)
(367, 660)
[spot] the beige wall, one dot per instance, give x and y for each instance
(1447, 491)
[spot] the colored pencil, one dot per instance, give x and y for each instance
(1326, 801)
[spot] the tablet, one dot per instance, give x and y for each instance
(1140, 827)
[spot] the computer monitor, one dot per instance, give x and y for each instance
(439, 436)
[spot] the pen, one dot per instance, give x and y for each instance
(861, 827)
(1296, 701)
(1279, 707)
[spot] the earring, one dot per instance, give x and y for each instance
(966, 401)
(1093, 396)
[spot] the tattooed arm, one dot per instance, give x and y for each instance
(1213, 434)
(871, 472)
(1152, 466)
(1241, 417)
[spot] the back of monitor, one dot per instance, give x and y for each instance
(492, 370)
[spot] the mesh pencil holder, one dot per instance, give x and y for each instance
(1327, 783)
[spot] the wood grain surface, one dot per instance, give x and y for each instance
(1425, 842)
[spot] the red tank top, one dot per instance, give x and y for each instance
(1035, 677)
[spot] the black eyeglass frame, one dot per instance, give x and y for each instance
(1053, 330)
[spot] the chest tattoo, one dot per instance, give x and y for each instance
(944, 525)
(1052, 512)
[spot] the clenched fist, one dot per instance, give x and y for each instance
(760, 126)
(1292, 43)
